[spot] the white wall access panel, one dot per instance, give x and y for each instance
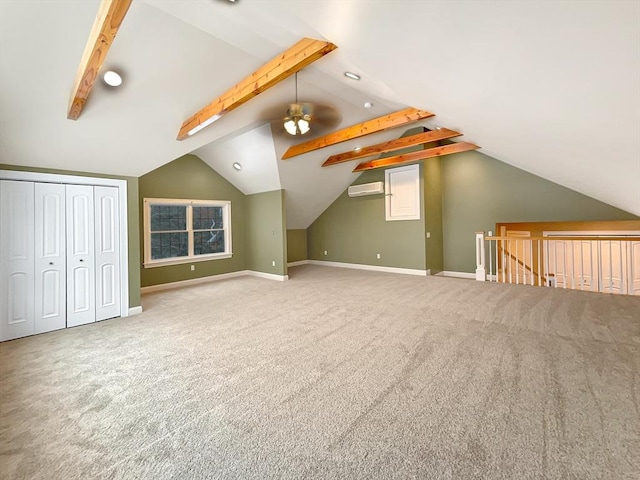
(50, 258)
(107, 253)
(16, 259)
(402, 193)
(81, 291)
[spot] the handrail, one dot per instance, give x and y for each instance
(591, 238)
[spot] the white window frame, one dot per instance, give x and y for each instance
(191, 257)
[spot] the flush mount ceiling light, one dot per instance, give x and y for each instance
(111, 78)
(352, 76)
(368, 104)
(297, 120)
(237, 166)
(204, 124)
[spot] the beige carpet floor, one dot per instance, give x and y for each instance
(334, 374)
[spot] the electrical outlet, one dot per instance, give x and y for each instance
(193, 267)
(325, 252)
(428, 234)
(377, 255)
(273, 263)
(490, 233)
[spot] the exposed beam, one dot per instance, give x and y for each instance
(414, 156)
(303, 53)
(393, 145)
(386, 122)
(105, 27)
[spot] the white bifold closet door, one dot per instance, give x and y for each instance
(93, 254)
(50, 258)
(16, 259)
(107, 251)
(81, 274)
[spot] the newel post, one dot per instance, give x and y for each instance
(481, 273)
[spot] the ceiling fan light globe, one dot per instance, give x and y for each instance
(290, 126)
(303, 125)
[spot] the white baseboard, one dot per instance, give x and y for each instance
(135, 311)
(192, 281)
(269, 276)
(447, 273)
(212, 278)
(377, 268)
(299, 262)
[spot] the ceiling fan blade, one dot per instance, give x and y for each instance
(326, 116)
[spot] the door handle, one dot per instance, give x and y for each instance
(82, 259)
(50, 263)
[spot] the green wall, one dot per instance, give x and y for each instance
(132, 221)
(354, 230)
(432, 168)
(190, 177)
(266, 232)
(479, 191)
(296, 245)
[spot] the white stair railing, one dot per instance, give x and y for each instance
(599, 264)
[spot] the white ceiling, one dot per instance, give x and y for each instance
(549, 87)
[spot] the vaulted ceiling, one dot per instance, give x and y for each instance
(549, 87)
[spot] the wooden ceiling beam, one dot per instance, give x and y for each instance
(110, 15)
(392, 145)
(386, 122)
(415, 156)
(292, 60)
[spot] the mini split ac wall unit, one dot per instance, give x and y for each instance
(366, 189)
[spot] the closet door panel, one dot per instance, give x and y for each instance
(16, 259)
(80, 255)
(107, 253)
(50, 257)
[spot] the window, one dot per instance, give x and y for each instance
(183, 231)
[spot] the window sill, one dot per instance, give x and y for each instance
(186, 260)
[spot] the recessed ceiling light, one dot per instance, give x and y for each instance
(237, 166)
(357, 149)
(368, 104)
(112, 78)
(352, 76)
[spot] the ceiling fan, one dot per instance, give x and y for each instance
(300, 118)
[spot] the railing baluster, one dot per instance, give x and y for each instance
(600, 266)
(573, 268)
(581, 266)
(504, 263)
(497, 279)
(531, 273)
(591, 264)
(517, 268)
(622, 280)
(490, 262)
(632, 277)
(610, 268)
(564, 264)
(538, 244)
(509, 252)
(546, 253)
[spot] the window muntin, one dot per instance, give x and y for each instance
(183, 231)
